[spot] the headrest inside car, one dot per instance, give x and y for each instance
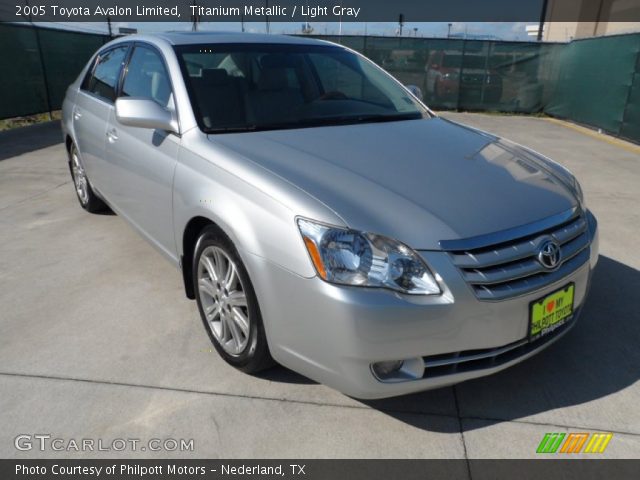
(215, 76)
(279, 60)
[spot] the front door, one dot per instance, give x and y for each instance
(142, 161)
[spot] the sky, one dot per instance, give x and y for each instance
(497, 30)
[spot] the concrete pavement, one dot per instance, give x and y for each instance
(98, 341)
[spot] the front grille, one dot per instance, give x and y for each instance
(511, 269)
(470, 360)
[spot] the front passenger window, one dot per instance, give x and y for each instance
(147, 77)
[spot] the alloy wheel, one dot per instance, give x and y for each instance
(223, 299)
(79, 178)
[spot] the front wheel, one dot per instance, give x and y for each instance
(228, 305)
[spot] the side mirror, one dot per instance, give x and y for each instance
(415, 91)
(145, 113)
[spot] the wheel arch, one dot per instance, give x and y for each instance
(189, 239)
(68, 141)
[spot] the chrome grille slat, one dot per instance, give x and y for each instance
(511, 269)
(503, 274)
(570, 232)
(516, 251)
(524, 268)
(470, 360)
(570, 249)
(461, 358)
(526, 285)
(494, 257)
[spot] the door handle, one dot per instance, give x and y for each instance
(77, 115)
(112, 135)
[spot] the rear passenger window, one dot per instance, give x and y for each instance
(147, 77)
(105, 75)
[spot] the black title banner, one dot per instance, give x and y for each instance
(317, 10)
(319, 469)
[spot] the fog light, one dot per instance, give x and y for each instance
(384, 370)
(393, 371)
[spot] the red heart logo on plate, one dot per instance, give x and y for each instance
(550, 306)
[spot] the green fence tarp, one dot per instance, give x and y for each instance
(64, 55)
(37, 66)
(465, 74)
(21, 81)
(595, 81)
(630, 128)
(594, 84)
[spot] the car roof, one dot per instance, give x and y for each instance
(197, 38)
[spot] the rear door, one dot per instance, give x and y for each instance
(91, 112)
(141, 161)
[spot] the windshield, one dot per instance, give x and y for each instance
(264, 86)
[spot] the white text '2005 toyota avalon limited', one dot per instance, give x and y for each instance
(323, 217)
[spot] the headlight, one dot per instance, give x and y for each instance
(349, 257)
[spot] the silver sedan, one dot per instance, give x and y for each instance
(323, 217)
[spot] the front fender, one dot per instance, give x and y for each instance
(255, 222)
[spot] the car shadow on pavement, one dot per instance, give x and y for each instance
(22, 140)
(282, 374)
(597, 358)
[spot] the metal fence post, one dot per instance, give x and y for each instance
(44, 71)
(464, 50)
(634, 74)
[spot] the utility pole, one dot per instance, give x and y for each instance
(109, 25)
(242, 20)
(543, 17)
(400, 23)
(449, 30)
(195, 18)
(266, 18)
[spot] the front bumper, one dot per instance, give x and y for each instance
(333, 334)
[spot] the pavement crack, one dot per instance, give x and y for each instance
(464, 443)
(35, 195)
(549, 424)
(214, 393)
(396, 411)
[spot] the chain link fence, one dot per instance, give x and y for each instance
(595, 81)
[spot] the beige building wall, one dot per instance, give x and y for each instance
(611, 15)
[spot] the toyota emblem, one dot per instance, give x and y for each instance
(549, 254)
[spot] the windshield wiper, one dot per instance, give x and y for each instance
(242, 128)
(317, 122)
(378, 117)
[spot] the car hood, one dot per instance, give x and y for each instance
(419, 181)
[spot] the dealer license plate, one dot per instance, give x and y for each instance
(551, 312)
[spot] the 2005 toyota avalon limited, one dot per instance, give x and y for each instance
(323, 217)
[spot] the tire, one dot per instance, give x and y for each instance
(87, 198)
(228, 304)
